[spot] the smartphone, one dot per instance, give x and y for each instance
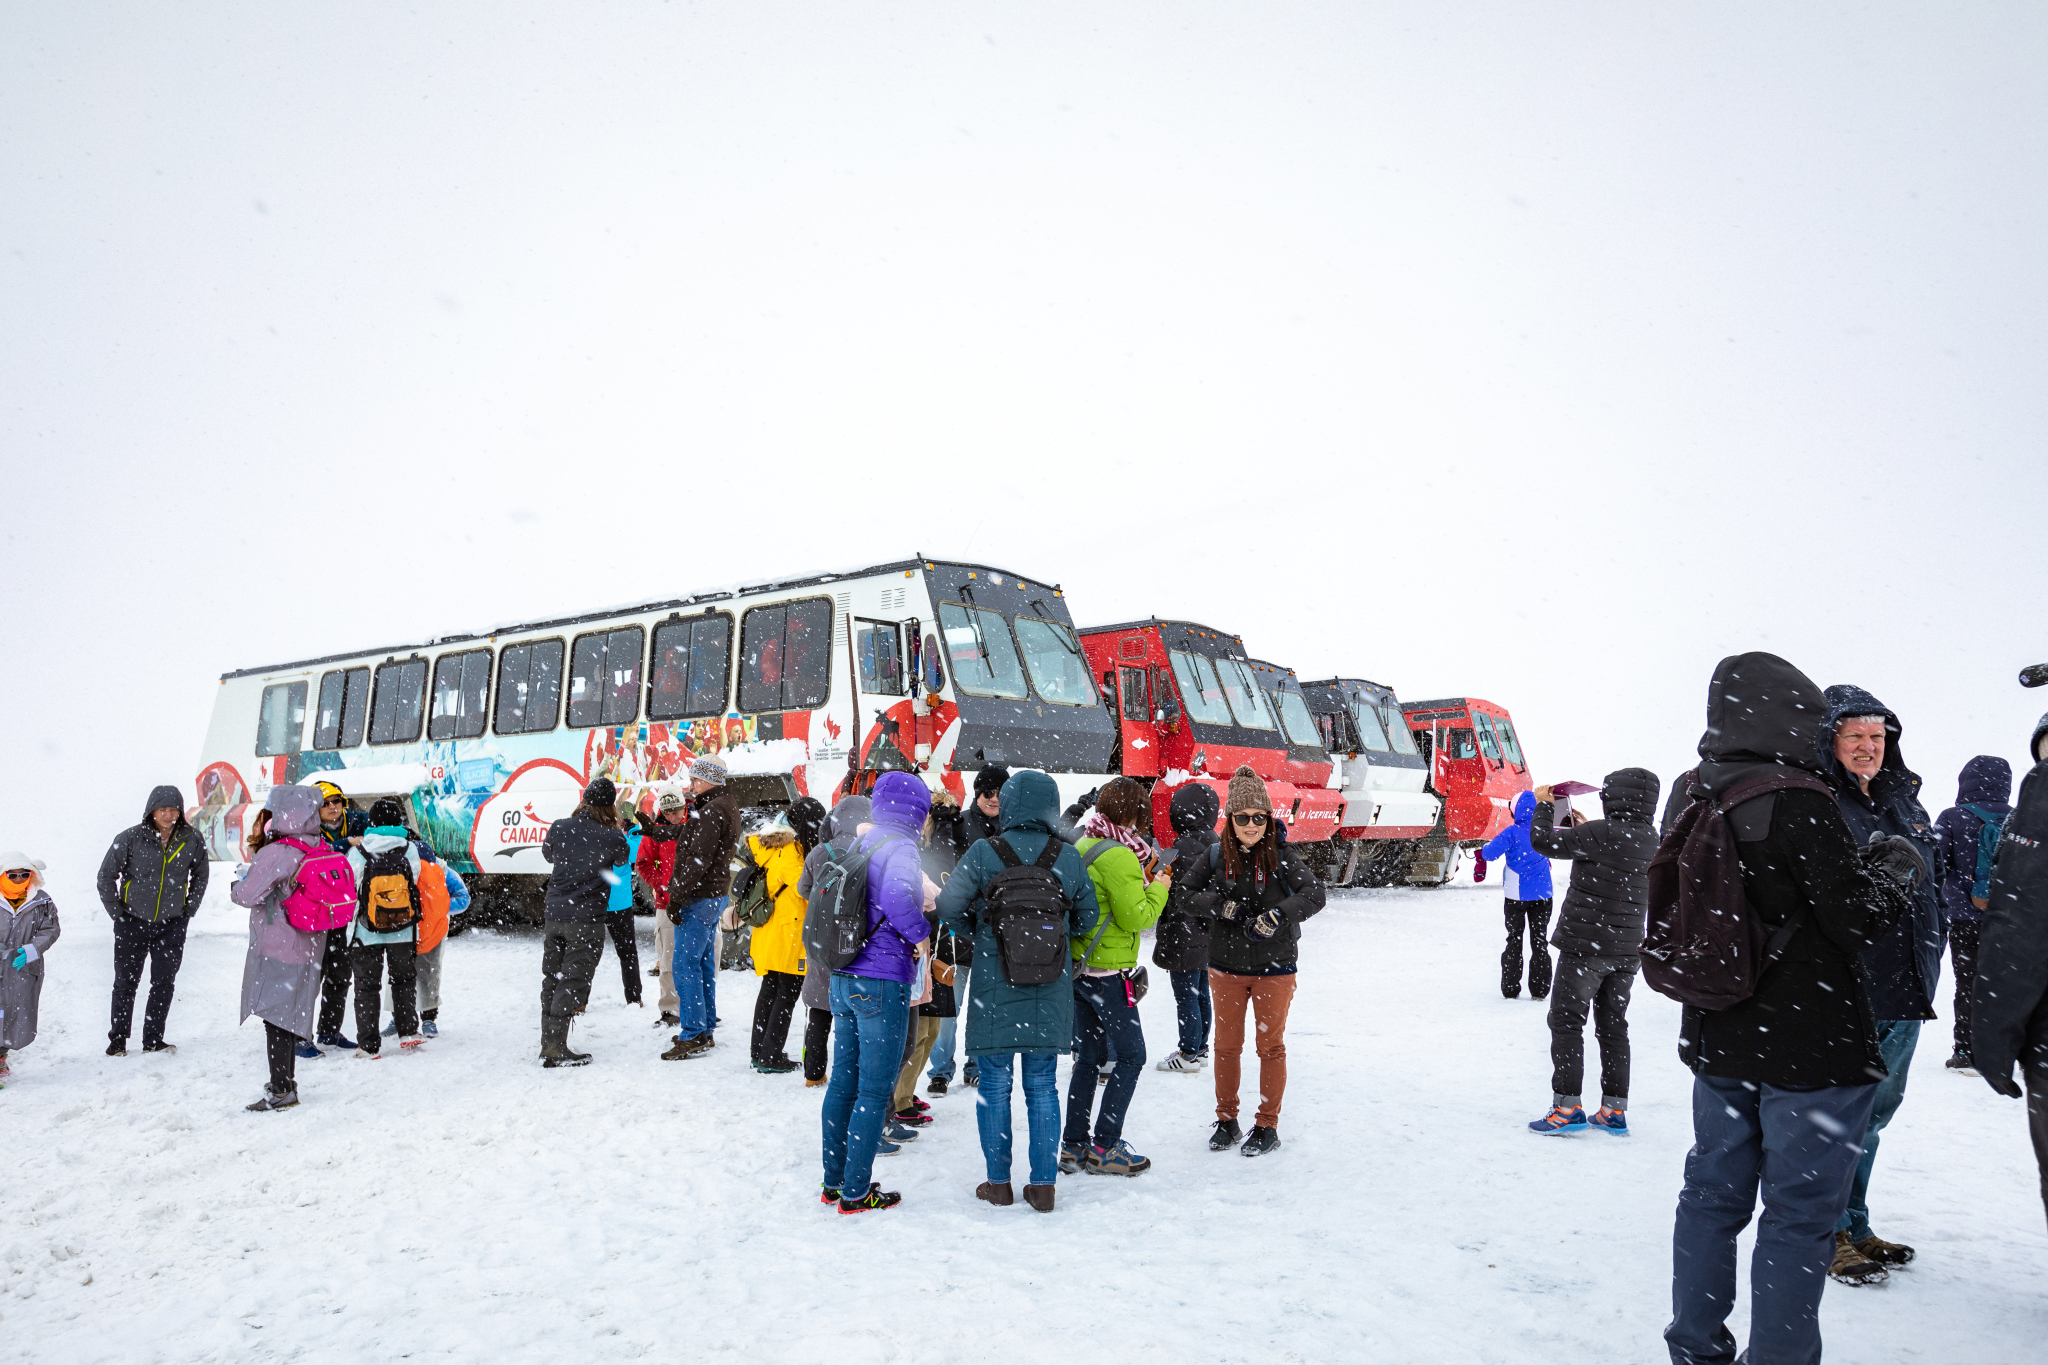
(1165, 856)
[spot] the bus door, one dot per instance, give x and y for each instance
(882, 682)
(1139, 722)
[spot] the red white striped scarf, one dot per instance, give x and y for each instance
(1100, 826)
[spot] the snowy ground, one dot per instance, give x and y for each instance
(464, 1204)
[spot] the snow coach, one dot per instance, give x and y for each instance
(1190, 707)
(807, 686)
(1476, 765)
(1388, 809)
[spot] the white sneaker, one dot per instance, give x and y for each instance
(1178, 1061)
(411, 1039)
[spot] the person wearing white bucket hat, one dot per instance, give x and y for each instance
(28, 926)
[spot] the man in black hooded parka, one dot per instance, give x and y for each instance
(1784, 1081)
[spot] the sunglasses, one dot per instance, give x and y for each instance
(1250, 819)
(17, 878)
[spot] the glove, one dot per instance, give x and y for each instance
(25, 955)
(1265, 926)
(1896, 857)
(1479, 867)
(1084, 805)
(2004, 1085)
(1228, 910)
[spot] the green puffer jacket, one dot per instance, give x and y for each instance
(1002, 1018)
(1134, 907)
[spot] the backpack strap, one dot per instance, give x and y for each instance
(1102, 846)
(1050, 854)
(1005, 852)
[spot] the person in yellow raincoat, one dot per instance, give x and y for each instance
(778, 945)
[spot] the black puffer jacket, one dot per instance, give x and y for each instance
(1605, 909)
(154, 878)
(1293, 890)
(582, 853)
(1181, 941)
(2009, 1019)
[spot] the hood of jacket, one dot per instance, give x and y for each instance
(294, 811)
(159, 797)
(1525, 809)
(1193, 808)
(900, 803)
(1628, 794)
(1985, 781)
(1760, 711)
(384, 838)
(1030, 800)
(2034, 744)
(848, 816)
(1844, 702)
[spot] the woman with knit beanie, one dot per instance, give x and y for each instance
(1255, 892)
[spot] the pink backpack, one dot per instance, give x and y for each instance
(323, 894)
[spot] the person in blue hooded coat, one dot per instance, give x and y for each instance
(1983, 799)
(1527, 880)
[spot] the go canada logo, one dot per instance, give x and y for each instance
(520, 828)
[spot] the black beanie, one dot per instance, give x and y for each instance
(990, 780)
(387, 811)
(601, 793)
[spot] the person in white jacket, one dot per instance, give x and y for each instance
(28, 926)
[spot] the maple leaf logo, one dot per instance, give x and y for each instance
(832, 728)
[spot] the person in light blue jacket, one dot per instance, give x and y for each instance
(618, 920)
(1527, 880)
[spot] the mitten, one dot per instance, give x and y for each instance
(1479, 867)
(1228, 910)
(1896, 857)
(25, 955)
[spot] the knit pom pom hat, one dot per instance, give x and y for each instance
(1247, 792)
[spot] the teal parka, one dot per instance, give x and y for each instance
(1002, 1018)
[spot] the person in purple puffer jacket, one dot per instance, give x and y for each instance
(871, 997)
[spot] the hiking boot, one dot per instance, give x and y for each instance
(896, 1132)
(1070, 1157)
(336, 1039)
(118, 1048)
(1116, 1159)
(159, 1046)
(775, 1066)
(936, 1086)
(1039, 1197)
(306, 1051)
(1179, 1061)
(1852, 1266)
(1225, 1135)
(668, 1021)
(875, 1199)
(1560, 1122)
(687, 1048)
(808, 1082)
(1883, 1252)
(1002, 1196)
(1260, 1141)
(1613, 1121)
(273, 1100)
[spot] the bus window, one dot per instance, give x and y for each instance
(1163, 698)
(689, 668)
(786, 656)
(462, 684)
(1199, 687)
(1247, 699)
(282, 720)
(1370, 732)
(1295, 719)
(1398, 731)
(1458, 744)
(1488, 745)
(1508, 743)
(604, 678)
(880, 648)
(1053, 656)
(978, 645)
(399, 703)
(1137, 704)
(529, 686)
(344, 706)
(1329, 726)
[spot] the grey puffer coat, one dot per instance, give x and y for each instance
(151, 877)
(281, 974)
(842, 824)
(34, 925)
(1609, 900)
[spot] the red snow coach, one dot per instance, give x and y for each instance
(1190, 708)
(1476, 766)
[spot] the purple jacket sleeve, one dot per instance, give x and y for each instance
(274, 864)
(897, 890)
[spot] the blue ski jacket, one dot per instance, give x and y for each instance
(1528, 872)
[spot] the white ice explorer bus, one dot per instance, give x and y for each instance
(806, 687)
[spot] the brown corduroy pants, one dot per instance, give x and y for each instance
(1268, 998)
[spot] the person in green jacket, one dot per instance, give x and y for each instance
(1120, 862)
(1017, 1029)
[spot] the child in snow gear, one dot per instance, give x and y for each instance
(1970, 832)
(385, 931)
(1017, 1033)
(151, 883)
(1255, 892)
(281, 974)
(583, 851)
(1599, 939)
(1780, 1076)
(697, 898)
(776, 945)
(1181, 941)
(28, 926)
(1527, 883)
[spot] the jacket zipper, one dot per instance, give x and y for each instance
(163, 873)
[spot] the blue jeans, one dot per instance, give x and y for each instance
(1801, 1145)
(869, 1015)
(1896, 1039)
(1104, 1017)
(694, 971)
(1191, 1004)
(942, 1047)
(1041, 1112)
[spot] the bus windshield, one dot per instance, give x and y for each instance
(1247, 699)
(1398, 731)
(984, 660)
(1199, 688)
(1369, 731)
(1054, 657)
(1295, 719)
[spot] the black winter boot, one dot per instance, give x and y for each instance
(1226, 1136)
(554, 1045)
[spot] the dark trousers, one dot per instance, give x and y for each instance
(1801, 1147)
(1534, 917)
(1604, 983)
(336, 971)
(1193, 1010)
(1105, 1018)
(568, 963)
(619, 924)
(2037, 1122)
(367, 963)
(772, 1010)
(284, 1062)
(817, 1043)
(1962, 949)
(162, 946)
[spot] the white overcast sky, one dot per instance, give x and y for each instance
(1543, 353)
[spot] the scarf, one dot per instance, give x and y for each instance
(1099, 826)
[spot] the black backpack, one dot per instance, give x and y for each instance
(1028, 909)
(836, 914)
(1703, 945)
